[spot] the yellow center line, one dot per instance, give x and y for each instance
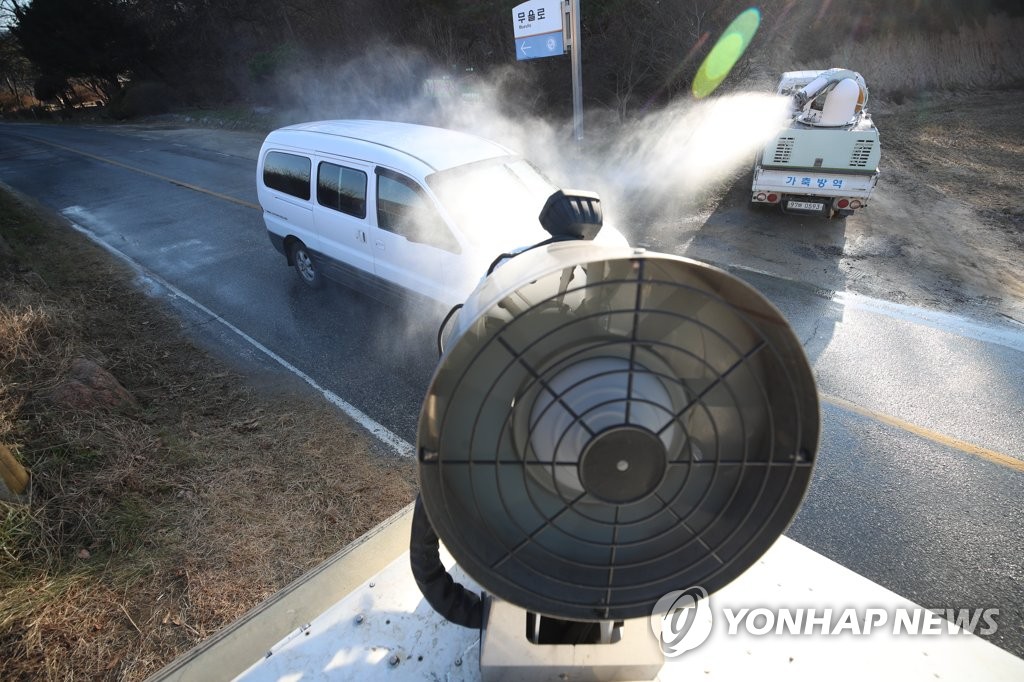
(940, 438)
(179, 183)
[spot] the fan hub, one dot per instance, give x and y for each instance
(623, 464)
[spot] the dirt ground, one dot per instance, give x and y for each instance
(152, 525)
(957, 168)
(944, 230)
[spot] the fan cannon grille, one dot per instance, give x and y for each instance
(614, 429)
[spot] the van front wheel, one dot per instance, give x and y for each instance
(305, 266)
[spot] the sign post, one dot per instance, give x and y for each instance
(577, 70)
(541, 29)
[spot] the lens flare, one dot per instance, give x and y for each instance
(726, 52)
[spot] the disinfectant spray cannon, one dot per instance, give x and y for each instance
(606, 426)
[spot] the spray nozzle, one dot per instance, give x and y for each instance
(572, 214)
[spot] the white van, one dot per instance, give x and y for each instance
(398, 207)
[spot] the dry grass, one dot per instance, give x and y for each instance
(150, 528)
(975, 57)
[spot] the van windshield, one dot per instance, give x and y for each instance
(494, 202)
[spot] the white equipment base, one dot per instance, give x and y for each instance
(384, 630)
(398, 622)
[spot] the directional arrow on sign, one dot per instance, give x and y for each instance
(542, 45)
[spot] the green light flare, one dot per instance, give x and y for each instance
(726, 52)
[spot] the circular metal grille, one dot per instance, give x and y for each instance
(614, 430)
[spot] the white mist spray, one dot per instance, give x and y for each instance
(667, 160)
(662, 162)
(655, 168)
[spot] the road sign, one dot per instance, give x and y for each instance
(536, 17)
(538, 27)
(543, 45)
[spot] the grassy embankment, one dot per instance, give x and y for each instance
(150, 526)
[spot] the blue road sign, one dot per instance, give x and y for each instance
(541, 45)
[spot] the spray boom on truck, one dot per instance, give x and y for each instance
(825, 162)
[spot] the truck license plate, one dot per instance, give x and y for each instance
(805, 205)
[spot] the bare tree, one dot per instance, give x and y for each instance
(17, 72)
(647, 53)
(6, 13)
(443, 40)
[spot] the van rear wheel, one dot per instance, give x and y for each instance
(305, 266)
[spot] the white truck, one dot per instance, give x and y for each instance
(826, 161)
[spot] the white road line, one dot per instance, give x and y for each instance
(951, 323)
(936, 319)
(398, 445)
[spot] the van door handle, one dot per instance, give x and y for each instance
(360, 236)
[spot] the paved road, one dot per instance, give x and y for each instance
(920, 476)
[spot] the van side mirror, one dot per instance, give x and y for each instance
(572, 214)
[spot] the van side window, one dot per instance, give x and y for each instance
(404, 209)
(340, 188)
(288, 173)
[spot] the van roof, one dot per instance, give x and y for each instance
(437, 148)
